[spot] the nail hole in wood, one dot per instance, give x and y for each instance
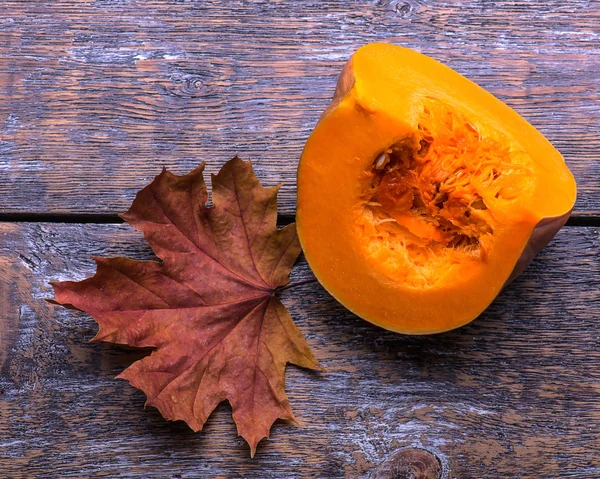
(410, 463)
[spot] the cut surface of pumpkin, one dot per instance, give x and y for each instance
(420, 195)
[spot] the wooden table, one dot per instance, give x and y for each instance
(97, 96)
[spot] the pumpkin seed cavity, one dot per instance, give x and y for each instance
(431, 196)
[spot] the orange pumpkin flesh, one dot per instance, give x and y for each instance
(420, 195)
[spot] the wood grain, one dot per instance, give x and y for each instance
(97, 96)
(512, 395)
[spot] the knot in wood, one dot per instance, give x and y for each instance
(410, 463)
(403, 9)
(192, 86)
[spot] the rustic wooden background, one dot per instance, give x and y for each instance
(97, 96)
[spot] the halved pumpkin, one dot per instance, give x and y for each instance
(420, 195)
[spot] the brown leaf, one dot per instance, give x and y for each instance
(209, 309)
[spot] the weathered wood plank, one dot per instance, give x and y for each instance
(514, 394)
(97, 96)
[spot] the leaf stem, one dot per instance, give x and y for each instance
(300, 283)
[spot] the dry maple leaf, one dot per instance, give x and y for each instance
(209, 309)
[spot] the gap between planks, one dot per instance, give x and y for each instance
(576, 219)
